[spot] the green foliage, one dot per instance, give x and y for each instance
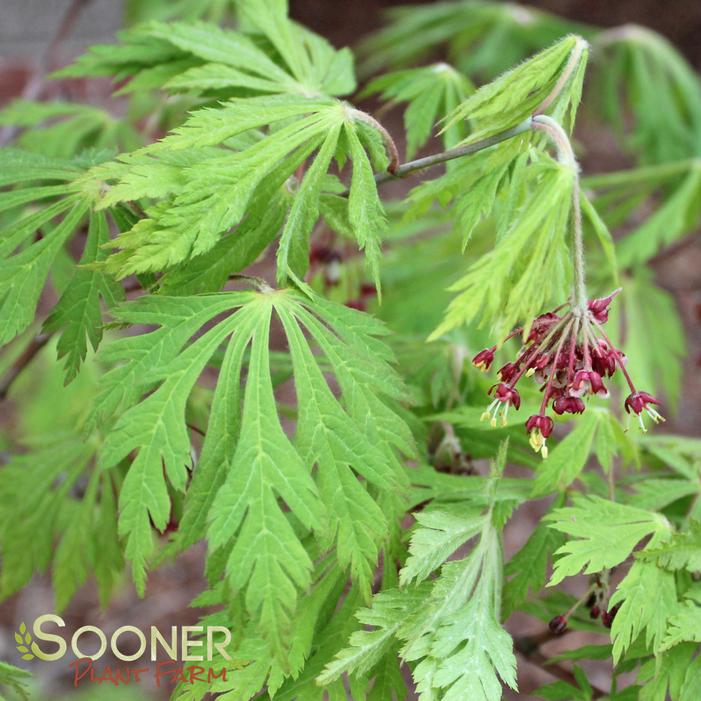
(658, 365)
(670, 673)
(78, 314)
(517, 94)
(645, 75)
(527, 269)
(64, 129)
(199, 57)
(602, 534)
(684, 625)
(77, 536)
(526, 570)
(482, 37)
(30, 244)
(242, 473)
(14, 679)
(637, 72)
(331, 458)
(647, 597)
(448, 627)
(681, 552)
(432, 93)
(203, 192)
(594, 433)
(673, 190)
(214, 10)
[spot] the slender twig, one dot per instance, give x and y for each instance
(29, 353)
(405, 169)
(435, 159)
(35, 85)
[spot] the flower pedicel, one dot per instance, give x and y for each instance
(569, 355)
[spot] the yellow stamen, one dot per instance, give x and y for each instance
(536, 440)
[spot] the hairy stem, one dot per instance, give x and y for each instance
(565, 155)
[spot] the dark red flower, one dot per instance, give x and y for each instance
(639, 402)
(599, 308)
(603, 359)
(588, 381)
(540, 361)
(594, 612)
(608, 616)
(508, 372)
(569, 355)
(356, 304)
(484, 359)
(507, 394)
(541, 326)
(539, 427)
(367, 289)
(568, 405)
(504, 397)
(541, 422)
(558, 625)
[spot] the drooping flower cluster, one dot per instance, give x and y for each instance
(569, 354)
(596, 600)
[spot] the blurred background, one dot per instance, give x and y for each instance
(27, 25)
(37, 36)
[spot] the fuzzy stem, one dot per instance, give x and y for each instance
(565, 155)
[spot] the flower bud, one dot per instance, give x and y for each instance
(599, 308)
(639, 402)
(484, 359)
(568, 405)
(558, 625)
